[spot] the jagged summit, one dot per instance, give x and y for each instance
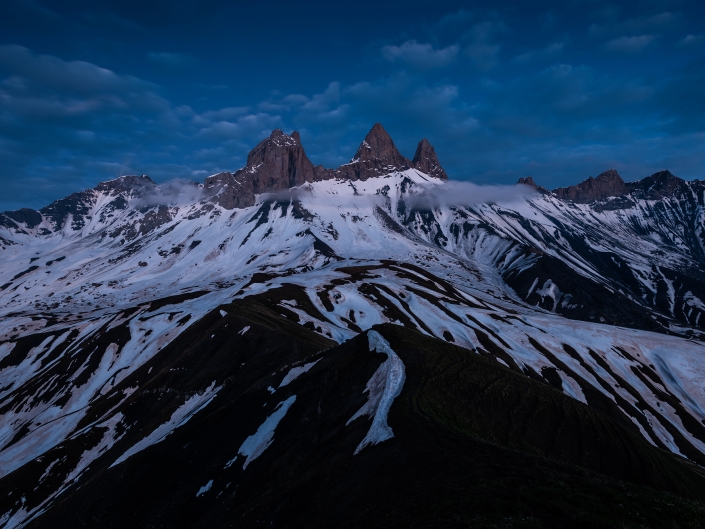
(376, 156)
(426, 161)
(127, 183)
(379, 146)
(607, 184)
(658, 185)
(527, 181)
(279, 163)
(275, 164)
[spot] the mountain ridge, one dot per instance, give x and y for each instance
(600, 306)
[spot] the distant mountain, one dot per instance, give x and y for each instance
(289, 345)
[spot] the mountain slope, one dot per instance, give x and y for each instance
(599, 301)
(496, 426)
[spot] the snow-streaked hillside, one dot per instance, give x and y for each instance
(92, 294)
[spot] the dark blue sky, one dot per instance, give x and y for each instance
(90, 90)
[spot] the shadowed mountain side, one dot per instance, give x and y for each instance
(607, 184)
(475, 444)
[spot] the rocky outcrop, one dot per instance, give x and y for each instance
(131, 185)
(276, 164)
(376, 156)
(529, 181)
(607, 184)
(426, 161)
(279, 163)
(657, 186)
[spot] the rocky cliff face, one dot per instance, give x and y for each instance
(426, 161)
(275, 164)
(376, 156)
(657, 186)
(607, 184)
(279, 163)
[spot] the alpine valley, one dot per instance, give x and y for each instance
(369, 346)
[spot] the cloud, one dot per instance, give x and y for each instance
(659, 22)
(421, 55)
(49, 72)
(172, 192)
(549, 52)
(692, 39)
(171, 59)
(480, 46)
(629, 44)
(467, 193)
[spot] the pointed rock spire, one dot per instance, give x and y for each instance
(378, 146)
(426, 161)
(527, 181)
(376, 156)
(607, 184)
(277, 163)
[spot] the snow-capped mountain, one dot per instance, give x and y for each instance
(110, 296)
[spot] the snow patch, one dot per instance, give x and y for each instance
(205, 488)
(255, 444)
(384, 386)
(180, 417)
(296, 372)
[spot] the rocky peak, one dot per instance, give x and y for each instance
(376, 156)
(127, 184)
(378, 146)
(426, 161)
(277, 163)
(527, 181)
(29, 217)
(658, 185)
(607, 184)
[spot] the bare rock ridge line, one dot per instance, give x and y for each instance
(610, 184)
(607, 184)
(279, 163)
(426, 161)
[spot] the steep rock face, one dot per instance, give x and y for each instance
(426, 161)
(529, 181)
(657, 186)
(279, 163)
(607, 184)
(26, 216)
(376, 156)
(135, 185)
(275, 164)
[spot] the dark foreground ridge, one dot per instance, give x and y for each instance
(475, 444)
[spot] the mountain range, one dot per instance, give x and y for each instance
(369, 346)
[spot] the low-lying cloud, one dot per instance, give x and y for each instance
(176, 192)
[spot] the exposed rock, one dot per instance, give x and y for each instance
(529, 181)
(426, 161)
(657, 186)
(29, 217)
(607, 184)
(277, 163)
(377, 155)
(134, 185)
